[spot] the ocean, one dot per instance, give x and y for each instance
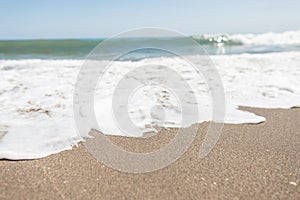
(38, 77)
(80, 48)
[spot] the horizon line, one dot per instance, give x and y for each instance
(103, 38)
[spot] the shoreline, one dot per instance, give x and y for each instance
(258, 161)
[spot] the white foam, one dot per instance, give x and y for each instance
(36, 107)
(270, 38)
(285, 38)
(36, 117)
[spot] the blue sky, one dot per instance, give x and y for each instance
(94, 19)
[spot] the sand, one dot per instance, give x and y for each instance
(260, 161)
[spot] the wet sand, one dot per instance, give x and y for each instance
(250, 161)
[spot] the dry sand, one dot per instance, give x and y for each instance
(259, 161)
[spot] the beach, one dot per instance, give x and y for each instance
(250, 161)
(150, 100)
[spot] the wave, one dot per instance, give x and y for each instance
(285, 38)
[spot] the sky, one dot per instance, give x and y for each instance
(36, 19)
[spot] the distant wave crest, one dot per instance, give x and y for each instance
(285, 38)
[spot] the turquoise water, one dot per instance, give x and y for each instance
(80, 48)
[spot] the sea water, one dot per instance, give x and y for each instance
(38, 77)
